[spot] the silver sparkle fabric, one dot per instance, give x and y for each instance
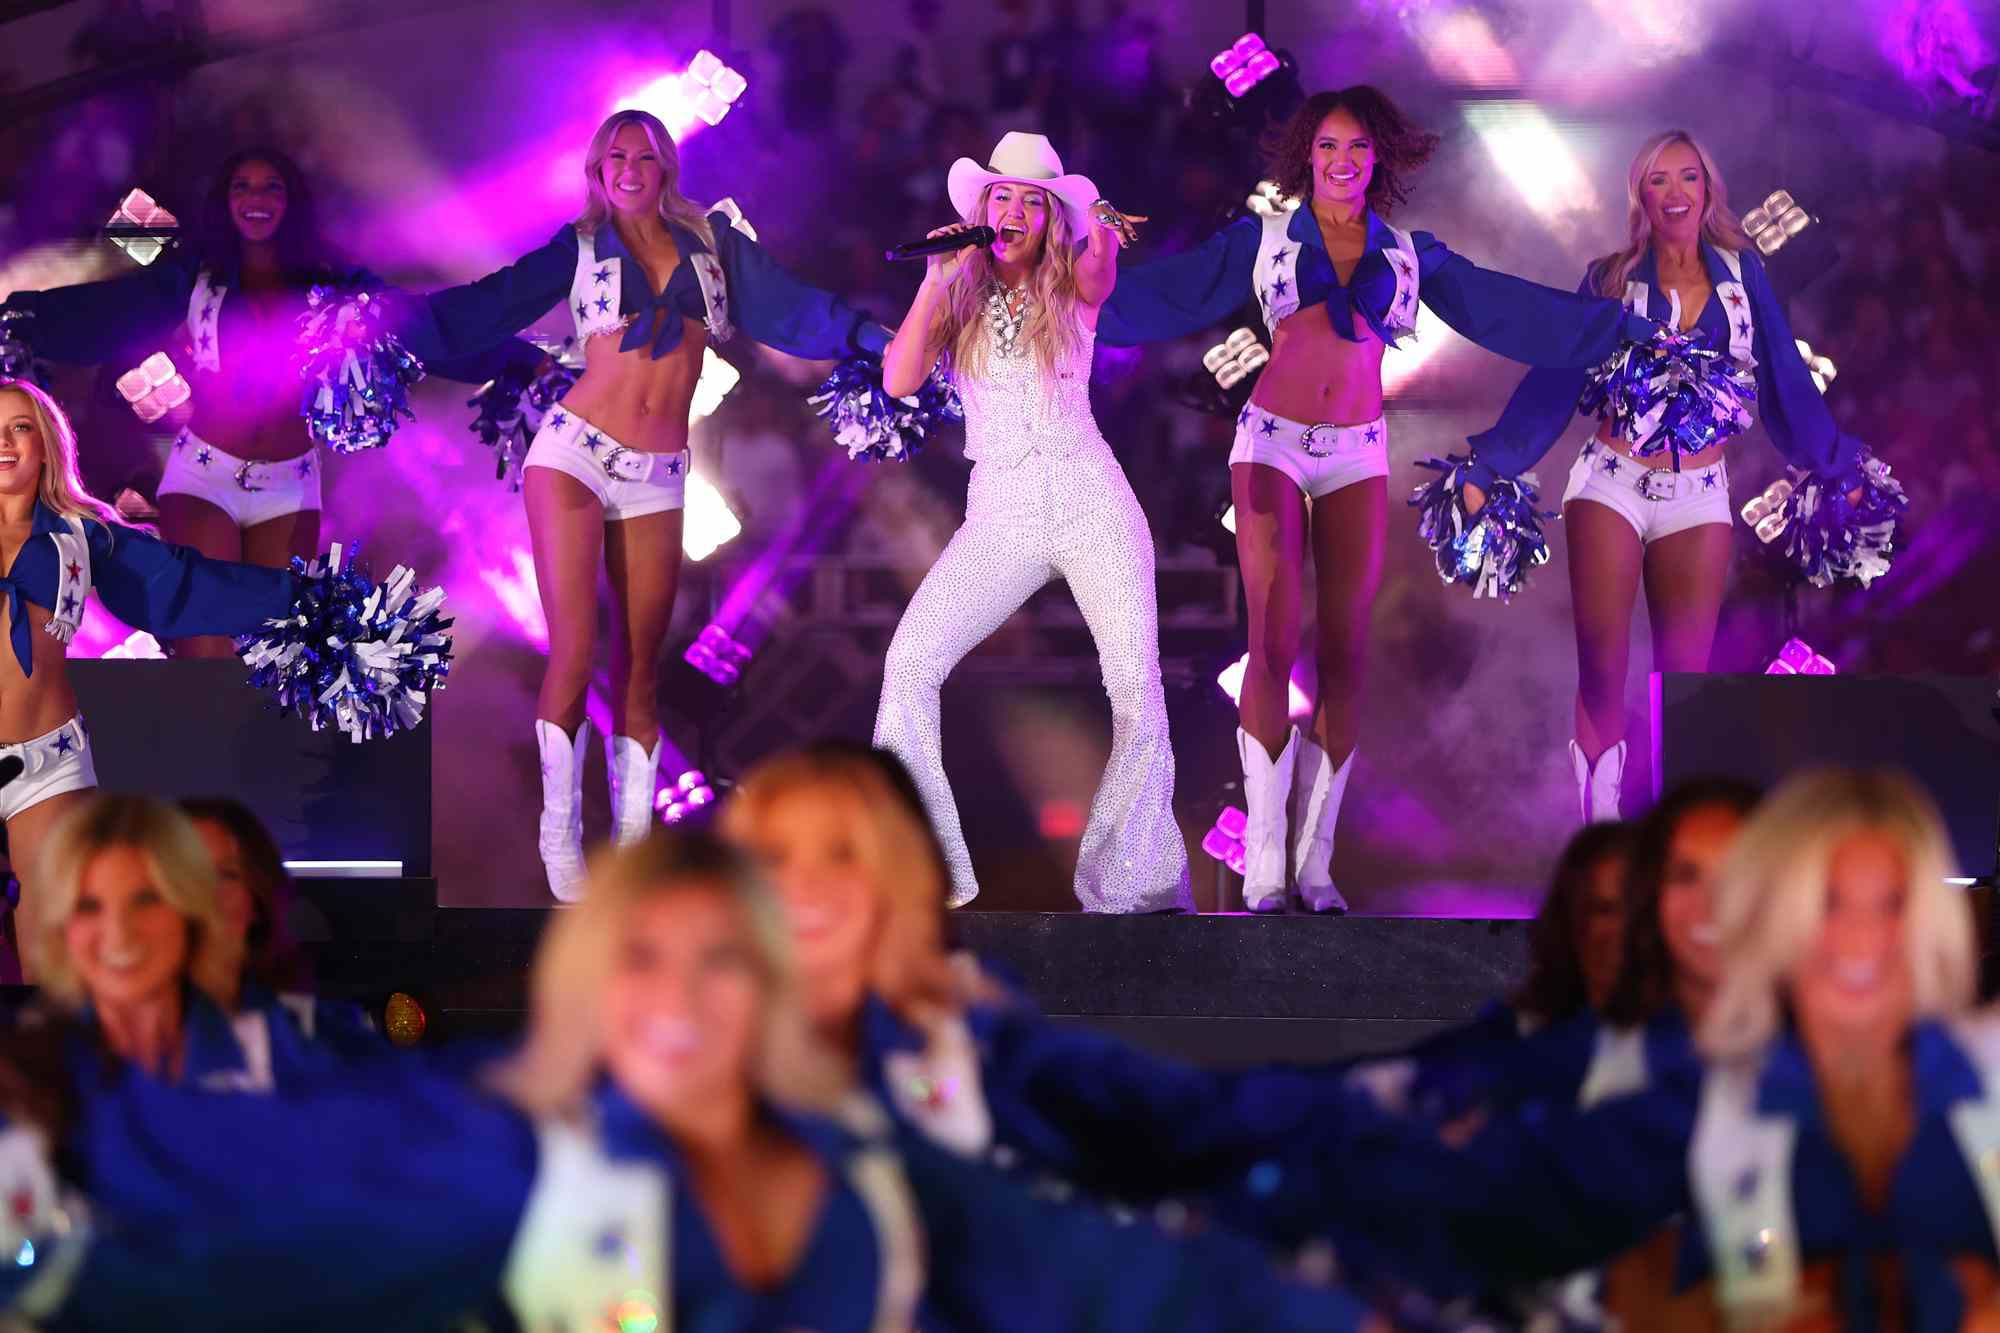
(1048, 500)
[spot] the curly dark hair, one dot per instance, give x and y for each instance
(1401, 145)
(302, 250)
(1645, 985)
(1555, 988)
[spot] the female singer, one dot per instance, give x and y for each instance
(651, 279)
(1336, 284)
(1016, 323)
(1643, 508)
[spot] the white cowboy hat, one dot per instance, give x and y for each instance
(1030, 160)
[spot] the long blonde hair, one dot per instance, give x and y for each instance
(1771, 897)
(1720, 226)
(1054, 329)
(61, 486)
(563, 1055)
(675, 207)
(178, 865)
(894, 842)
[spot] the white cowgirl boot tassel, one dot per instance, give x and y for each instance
(635, 781)
(1597, 784)
(1267, 784)
(1317, 787)
(561, 840)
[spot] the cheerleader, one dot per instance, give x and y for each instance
(1647, 500)
(243, 478)
(59, 543)
(1016, 323)
(650, 279)
(1336, 284)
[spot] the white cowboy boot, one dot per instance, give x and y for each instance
(1317, 787)
(635, 781)
(1597, 784)
(1267, 783)
(561, 840)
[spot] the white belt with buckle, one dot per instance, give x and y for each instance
(1325, 439)
(1666, 484)
(622, 464)
(244, 475)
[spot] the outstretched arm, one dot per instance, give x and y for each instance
(907, 360)
(1184, 293)
(779, 311)
(85, 323)
(1097, 266)
(1521, 320)
(464, 323)
(1794, 413)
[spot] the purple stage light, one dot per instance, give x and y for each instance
(683, 796)
(1765, 513)
(1775, 221)
(718, 656)
(1797, 658)
(154, 387)
(1244, 63)
(712, 87)
(1235, 358)
(1224, 842)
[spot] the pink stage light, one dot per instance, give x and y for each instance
(139, 209)
(1797, 658)
(683, 796)
(1231, 681)
(718, 656)
(154, 387)
(1244, 63)
(701, 94)
(1224, 842)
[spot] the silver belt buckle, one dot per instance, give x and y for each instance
(610, 461)
(243, 474)
(643, 467)
(1649, 488)
(1306, 439)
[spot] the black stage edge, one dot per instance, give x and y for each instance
(1217, 990)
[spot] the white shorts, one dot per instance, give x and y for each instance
(627, 482)
(1319, 459)
(1657, 502)
(50, 765)
(250, 493)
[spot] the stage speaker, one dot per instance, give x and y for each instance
(1943, 730)
(194, 728)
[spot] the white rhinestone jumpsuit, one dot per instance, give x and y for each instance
(1047, 500)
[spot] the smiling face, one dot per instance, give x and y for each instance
(257, 201)
(22, 448)
(1687, 910)
(1854, 983)
(632, 173)
(684, 1002)
(127, 943)
(1019, 216)
(807, 845)
(1674, 193)
(1343, 160)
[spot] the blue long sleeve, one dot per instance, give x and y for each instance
(1184, 293)
(174, 591)
(1791, 407)
(1538, 412)
(85, 323)
(779, 311)
(474, 318)
(1522, 320)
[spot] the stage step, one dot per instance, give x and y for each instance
(1218, 990)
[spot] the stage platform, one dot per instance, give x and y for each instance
(1225, 989)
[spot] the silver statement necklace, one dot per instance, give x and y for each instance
(1006, 318)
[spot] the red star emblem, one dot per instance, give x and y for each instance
(1736, 298)
(21, 1203)
(75, 570)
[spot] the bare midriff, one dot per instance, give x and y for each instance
(638, 401)
(1317, 377)
(250, 407)
(32, 706)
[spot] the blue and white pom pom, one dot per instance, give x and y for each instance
(355, 655)
(358, 374)
(1828, 537)
(1491, 551)
(1675, 391)
(872, 426)
(511, 409)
